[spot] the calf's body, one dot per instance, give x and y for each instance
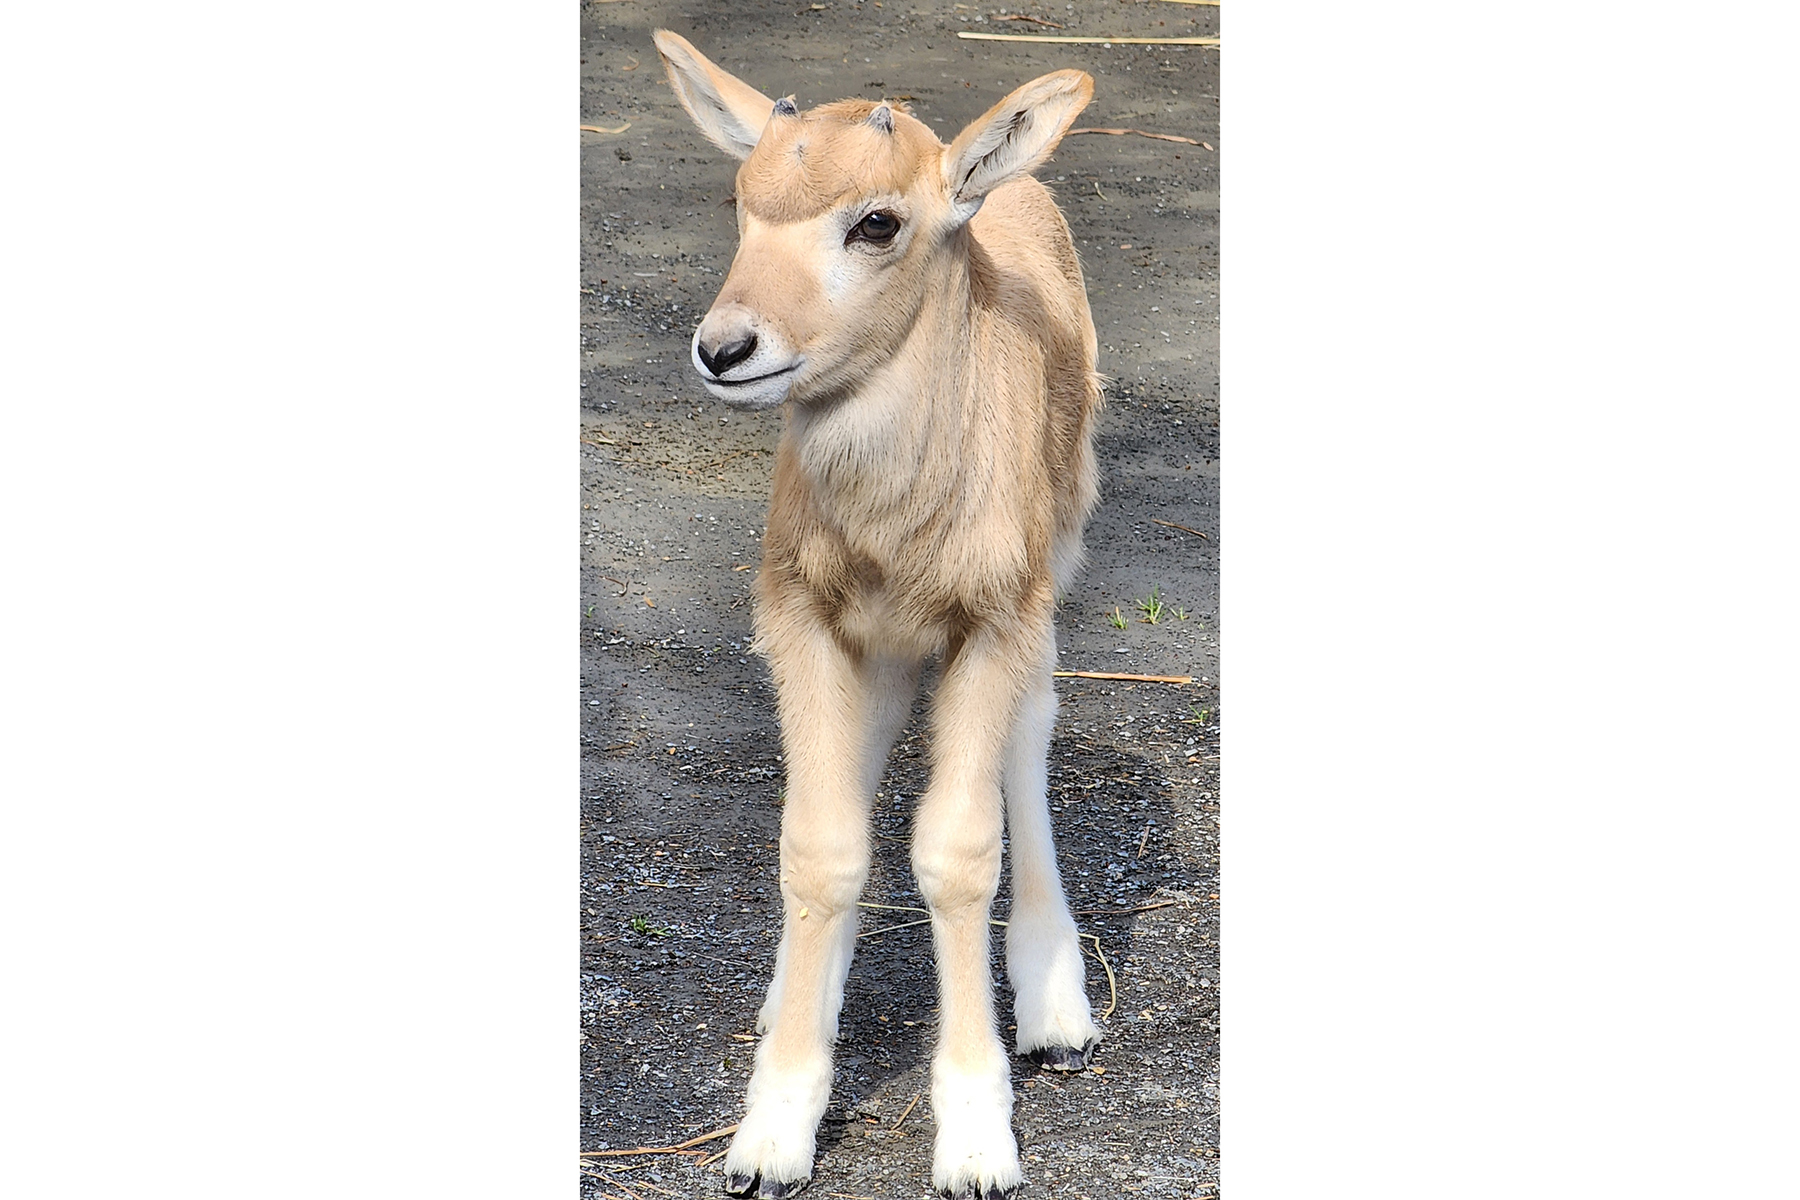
(919, 311)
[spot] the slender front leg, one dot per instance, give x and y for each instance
(956, 856)
(890, 687)
(1043, 951)
(839, 715)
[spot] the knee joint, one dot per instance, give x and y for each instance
(819, 875)
(957, 874)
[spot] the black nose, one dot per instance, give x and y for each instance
(722, 359)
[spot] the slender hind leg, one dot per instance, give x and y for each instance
(1043, 953)
(838, 716)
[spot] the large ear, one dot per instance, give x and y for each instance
(728, 111)
(1013, 137)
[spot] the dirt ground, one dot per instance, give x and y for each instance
(681, 764)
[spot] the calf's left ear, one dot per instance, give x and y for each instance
(1013, 137)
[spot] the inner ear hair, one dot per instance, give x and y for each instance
(1015, 135)
(992, 157)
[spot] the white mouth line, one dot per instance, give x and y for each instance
(756, 379)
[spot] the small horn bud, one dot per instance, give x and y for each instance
(784, 107)
(882, 118)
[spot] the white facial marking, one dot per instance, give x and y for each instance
(777, 263)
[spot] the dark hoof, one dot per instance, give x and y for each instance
(1064, 1058)
(972, 1191)
(764, 1189)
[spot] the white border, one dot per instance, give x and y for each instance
(289, 864)
(1508, 682)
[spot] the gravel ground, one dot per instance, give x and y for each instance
(681, 764)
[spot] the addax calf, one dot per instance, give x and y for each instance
(919, 310)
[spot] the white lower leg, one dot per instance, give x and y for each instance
(957, 859)
(791, 1084)
(1043, 950)
(972, 1106)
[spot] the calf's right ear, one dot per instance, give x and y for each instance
(728, 111)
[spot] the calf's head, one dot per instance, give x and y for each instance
(846, 215)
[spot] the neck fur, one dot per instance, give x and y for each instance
(885, 445)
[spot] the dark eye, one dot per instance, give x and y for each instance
(876, 227)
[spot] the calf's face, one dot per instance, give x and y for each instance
(839, 212)
(845, 214)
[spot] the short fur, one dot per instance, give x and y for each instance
(931, 484)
